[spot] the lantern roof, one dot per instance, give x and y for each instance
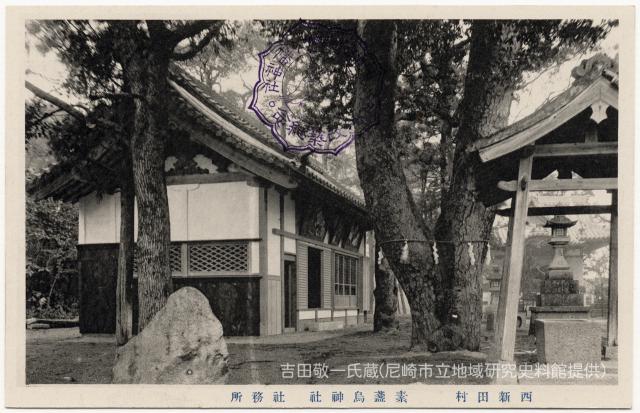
(559, 221)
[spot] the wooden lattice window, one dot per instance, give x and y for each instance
(175, 258)
(206, 258)
(219, 257)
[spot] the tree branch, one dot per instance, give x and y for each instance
(436, 109)
(45, 116)
(462, 44)
(195, 48)
(158, 30)
(186, 31)
(70, 109)
(405, 116)
(445, 116)
(114, 96)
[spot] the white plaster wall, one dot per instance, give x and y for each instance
(324, 313)
(275, 303)
(254, 254)
(307, 315)
(178, 212)
(97, 221)
(226, 210)
(198, 212)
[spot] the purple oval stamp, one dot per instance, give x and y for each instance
(290, 73)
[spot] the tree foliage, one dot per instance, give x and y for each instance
(431, 64)
(464, 106)
(229, 56)
(124, 64)
(51, 275)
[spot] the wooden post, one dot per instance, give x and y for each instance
(264, 277)
(500, 314)
(282, 277)
(510, 285)
(612, 319)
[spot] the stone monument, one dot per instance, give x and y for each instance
(561, 323)
(560, 288)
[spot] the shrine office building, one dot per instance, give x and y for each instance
(273, 242)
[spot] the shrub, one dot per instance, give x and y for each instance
(51, 274)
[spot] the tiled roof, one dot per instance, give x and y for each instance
(251, 138)
(251, 125)
(221, 106)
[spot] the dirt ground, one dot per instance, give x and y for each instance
(64, 356)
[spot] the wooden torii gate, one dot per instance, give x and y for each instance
(576, 134)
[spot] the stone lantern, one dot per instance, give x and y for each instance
(559, 289)
(560, 295)
(564, 333)
(559, 267)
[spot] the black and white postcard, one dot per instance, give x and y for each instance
(319, 207)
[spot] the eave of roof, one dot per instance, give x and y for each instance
(242, 132)
(250, 135)
(549, 116)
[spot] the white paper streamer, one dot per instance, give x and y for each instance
(472, 257)
(404, 256)
(380, 257)
(488, 260)
(436, 257)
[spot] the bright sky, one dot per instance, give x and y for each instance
(48, 73)
(45, 71)
(553, 82)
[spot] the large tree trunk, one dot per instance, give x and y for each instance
(124, 303)
(145, 63)
(126, 251)
(387, 195)
(144, 50)
(149, 79)
(386, 296)
(464, 225)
